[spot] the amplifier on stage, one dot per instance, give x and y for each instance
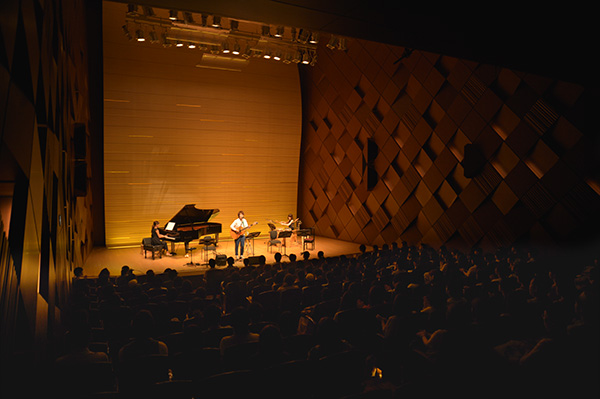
(221, 260)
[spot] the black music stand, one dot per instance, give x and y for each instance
(207, 242)
(284, 234)
(250, 241)
(191, 262)
(271, 226)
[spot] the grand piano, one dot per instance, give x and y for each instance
(191, 223)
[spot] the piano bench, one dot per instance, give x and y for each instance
(147, 246)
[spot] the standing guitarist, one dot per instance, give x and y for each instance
(238, 228)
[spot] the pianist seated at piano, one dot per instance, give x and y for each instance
(157, 237)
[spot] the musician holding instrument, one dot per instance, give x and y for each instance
(289, 224)
(156, 238)
(238, 228)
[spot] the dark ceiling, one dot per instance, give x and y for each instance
(544, 41)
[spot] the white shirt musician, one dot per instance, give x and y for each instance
(238, 230)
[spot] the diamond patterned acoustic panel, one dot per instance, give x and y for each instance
(435, 149)
(45, 225)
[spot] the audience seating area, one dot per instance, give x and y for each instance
(399, 321)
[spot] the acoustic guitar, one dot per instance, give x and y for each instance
(237, 234)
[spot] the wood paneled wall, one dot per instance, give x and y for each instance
(423, 147)
(182, 129)
(45, 220)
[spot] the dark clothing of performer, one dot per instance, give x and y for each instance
(156, 240)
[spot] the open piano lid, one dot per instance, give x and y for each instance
(189, 214)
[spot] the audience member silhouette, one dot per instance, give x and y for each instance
(77, 343)
(142, 343)
(271, 350)
(329, 340)
(240, 321)
(508, 319)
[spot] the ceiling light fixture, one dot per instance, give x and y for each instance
(148, 11)
(169, 27)
(139, 35)
(225, 46)
(153, 36)
(126, 32)
(188, 17)
(132, 9)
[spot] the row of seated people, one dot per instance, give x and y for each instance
(412, 321)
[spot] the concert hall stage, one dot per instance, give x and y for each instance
(114, 259)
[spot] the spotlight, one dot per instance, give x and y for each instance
(333, 42)
(216, 21)
(236, 49)
(191, 45)
(277, 56)
(303, 36)
(139, 35)
(247, 52)
(188, 17)
(165, 41)
(266, 30)
(279, 31)
(225, 46)
(178, 44)
(304, 58)
(126, 32)
(314, 38)
(132, 9)
(267, 55)
(173, 15)
(153, 37)
(148, 11)
(233, 25)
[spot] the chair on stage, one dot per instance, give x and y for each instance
(273, 241)
(308, 238)
(154, 249)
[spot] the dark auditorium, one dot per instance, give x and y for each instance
(297, 199)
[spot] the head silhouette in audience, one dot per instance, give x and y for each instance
(239, 319)
(142, 342)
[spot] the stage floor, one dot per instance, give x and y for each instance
(114, 259)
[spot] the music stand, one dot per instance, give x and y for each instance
(271, 226)
(250, 241)
(191, 262)
(284, 234)
(207, 242)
